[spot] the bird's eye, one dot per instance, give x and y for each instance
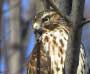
(45, 19)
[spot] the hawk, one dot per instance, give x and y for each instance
(48, 56)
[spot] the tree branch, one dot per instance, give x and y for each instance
(72, 57)
(66, 17)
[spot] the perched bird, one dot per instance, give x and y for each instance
(48, 56)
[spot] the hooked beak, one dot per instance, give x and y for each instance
(37, 28)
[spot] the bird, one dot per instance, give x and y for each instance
(49, 53)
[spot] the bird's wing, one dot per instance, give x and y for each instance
(38, 61)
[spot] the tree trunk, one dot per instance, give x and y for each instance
(63, 5)
(72, 58)
(15, 53)
(1, 3)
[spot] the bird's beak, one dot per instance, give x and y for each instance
(37, 28)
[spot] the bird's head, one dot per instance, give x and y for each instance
(45, 21)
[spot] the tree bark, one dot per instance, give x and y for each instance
(72, 58)
(63, 5)
(15, 53)
(1, 3)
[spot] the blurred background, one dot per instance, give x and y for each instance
(16, 33)
(20, 9)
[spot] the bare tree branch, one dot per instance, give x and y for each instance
(61, 12)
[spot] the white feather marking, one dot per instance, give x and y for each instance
(46, 14)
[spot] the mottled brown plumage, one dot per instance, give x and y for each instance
(51, 32)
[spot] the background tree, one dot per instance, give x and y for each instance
(1, 34)
(1, 3)
(15, 52)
